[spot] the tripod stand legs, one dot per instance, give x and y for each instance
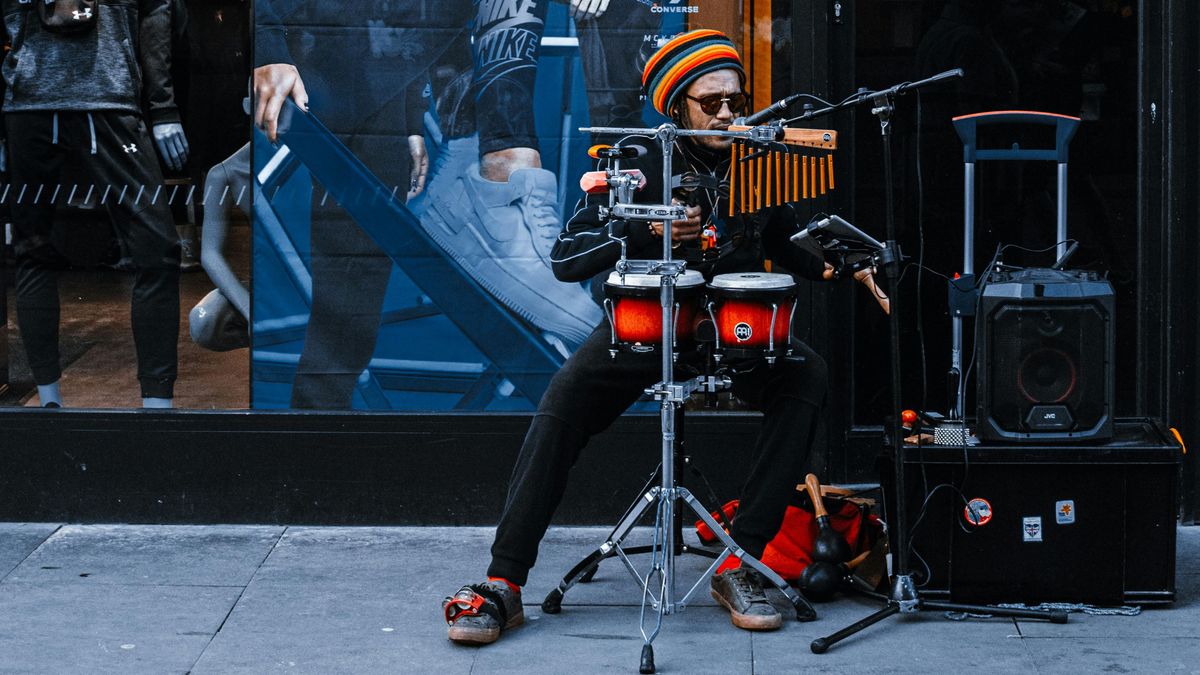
(905, 599)
(552, 604)
(822, 644)
(804, 611)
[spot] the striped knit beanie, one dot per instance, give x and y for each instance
(683, 59)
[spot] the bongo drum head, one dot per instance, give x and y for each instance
(754, 281)
(689, 279)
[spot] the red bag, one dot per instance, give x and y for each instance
(790, 552)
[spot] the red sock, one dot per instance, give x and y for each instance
(731, 563)
(515, 588)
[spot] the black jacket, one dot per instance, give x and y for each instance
(585, 251)
(123, 63)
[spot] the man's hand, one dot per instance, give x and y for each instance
(272, 84)
(588, 9)
(420, 165)
(172, 145)
(681, 230)
(866, 277)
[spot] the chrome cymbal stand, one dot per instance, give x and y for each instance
(658, 584)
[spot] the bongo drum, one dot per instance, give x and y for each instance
(633, 306)
(752, 313)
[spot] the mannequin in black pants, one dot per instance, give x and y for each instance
(147, 229)
(105, 96)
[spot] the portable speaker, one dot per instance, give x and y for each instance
(1046, 357)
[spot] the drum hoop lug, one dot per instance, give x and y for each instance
(716, 331)
(610, 311)
(792, 322)
(675, 323)
(771, 333)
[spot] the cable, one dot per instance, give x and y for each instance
(920, 262)
(980, 284)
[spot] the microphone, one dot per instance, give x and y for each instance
(945, 75)
(776, 109)
(603, 151)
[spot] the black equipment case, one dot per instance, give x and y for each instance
(1081, 523)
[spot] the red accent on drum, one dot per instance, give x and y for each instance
(756, 314)
(640, 320)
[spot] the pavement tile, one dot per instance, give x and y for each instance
(57, 628)
(1152, 622)
(18, 540)
(437, 561)
(203, 555)
(333, 628)
(607, 639)
(1106, 655)
(1187, 553)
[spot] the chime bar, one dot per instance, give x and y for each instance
(765, 175)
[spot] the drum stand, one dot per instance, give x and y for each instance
(667, 499)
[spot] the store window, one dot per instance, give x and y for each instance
(114, 114)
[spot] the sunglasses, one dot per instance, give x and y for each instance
(711, 104)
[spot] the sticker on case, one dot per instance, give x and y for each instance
(978, 512)
(1032, 528)
(1064, 512)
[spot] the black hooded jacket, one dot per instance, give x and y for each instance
(585, 250)
(122, 64)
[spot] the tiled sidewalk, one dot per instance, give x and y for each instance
(262, 599)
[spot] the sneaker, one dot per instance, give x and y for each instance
(477, 613)
(740, 591)
(502, 235)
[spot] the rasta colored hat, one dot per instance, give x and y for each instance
(683, 59)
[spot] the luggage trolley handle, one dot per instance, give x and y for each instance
(967, 128)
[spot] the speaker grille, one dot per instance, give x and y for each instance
(1043, 353)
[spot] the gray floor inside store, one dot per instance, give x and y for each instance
(259, 599)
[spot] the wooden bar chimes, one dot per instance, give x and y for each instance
(761, 176)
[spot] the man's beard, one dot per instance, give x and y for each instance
(709, 143)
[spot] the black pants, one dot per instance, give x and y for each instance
(508, 38)
(118, 156)
(592, 390)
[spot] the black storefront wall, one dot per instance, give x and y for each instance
(384, 468)
(327, 468)
(1169, 211)
(1161, 350)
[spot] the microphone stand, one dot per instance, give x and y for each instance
(903, 596)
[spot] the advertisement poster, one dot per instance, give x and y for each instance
(403, 225)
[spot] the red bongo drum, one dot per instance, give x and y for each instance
(633, 306)
(752, 313)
